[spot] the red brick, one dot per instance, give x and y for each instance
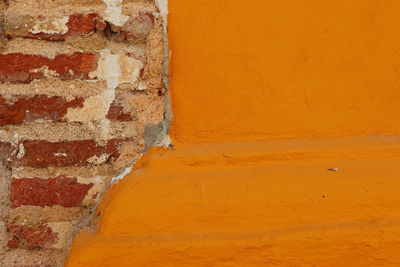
(26, 237)
(62, 190)
(23, 68)
(74, 153)
(117, 113)
(85, 24)
(25, 109)
(6, 150)
(78, 25)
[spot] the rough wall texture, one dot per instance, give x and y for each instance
(81, 83)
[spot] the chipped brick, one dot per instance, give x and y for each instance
(31, 237)
(78, 25)
(23, 68)
(135, 29)
(117, 113)
(74, 153)
(7, 152)
(85, 23)
(26, 109)
(35, 27)
(64, 191)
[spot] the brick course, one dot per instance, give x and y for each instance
(63, 191)
(19, 109)
(76, 153)
(22, 68)
(31, 237)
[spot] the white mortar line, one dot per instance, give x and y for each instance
(120, 176)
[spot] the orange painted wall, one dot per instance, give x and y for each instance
(266, 69)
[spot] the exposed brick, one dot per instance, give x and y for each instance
(21, 109)
(6, 151)
(61, 141)
(41, 27)
(26, 237)
(135, 29)
(78, 25)
(117, 113)
(62, 190)
(85, 23)
(139, 27)
(76, 153)
(122, 108)
(23, 68)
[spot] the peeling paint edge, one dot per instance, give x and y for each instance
(121, 175)
(166, 140)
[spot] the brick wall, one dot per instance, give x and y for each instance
(81, 89)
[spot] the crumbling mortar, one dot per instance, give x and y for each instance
(5, 176)
(162, 138)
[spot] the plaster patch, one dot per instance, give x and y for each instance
(21, 151)
(46, 71)
(114, 69)
(53, 26)
(162, 6)
(105, 129)
(130, 69)
(96, 107)
(113, 13)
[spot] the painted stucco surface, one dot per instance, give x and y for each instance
(262, 69)
(285, 128)
(253, 204)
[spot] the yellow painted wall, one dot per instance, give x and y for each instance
(263, 69)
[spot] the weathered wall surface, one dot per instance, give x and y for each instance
(80, 84)
(248, 70)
